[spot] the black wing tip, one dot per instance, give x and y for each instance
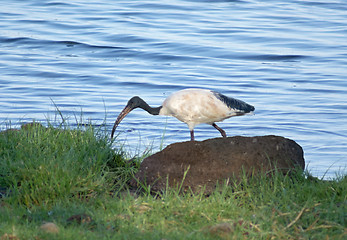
(251, 108)
(234, 103)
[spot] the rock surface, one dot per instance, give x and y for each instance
(216, 160)
(49, 227)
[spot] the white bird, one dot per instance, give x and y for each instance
(192, 106)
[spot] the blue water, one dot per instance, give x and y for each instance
(288, 59)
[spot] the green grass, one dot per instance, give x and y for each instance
(42, 165)
(51, 174)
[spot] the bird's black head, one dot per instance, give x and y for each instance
(135, 102)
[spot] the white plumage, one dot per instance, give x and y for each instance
(192, 106)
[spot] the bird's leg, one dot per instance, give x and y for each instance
(219, 129)
(191, 135)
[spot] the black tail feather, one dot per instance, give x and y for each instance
(233, 103)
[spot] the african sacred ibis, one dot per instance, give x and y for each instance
(192, 106)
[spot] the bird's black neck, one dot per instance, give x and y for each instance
(149, 109)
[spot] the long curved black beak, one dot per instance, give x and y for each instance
(120, 117)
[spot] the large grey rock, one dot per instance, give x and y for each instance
(216, 160)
